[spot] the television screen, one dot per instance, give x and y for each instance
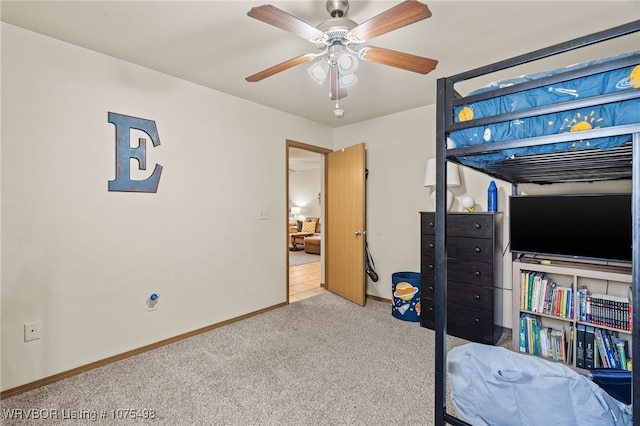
(594, 226)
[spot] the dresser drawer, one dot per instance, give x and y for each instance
(474, 296)
(461, 225)
(467, 323)
(460, 247)
(468, 271)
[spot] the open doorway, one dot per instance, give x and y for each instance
(305, 220)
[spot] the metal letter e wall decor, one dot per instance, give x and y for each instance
(124, 153)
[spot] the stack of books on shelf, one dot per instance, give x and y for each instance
(536, 339)
(603, 309)
(599, 348)
(540, 294)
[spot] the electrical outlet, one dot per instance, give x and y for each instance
(152, 302)
(31, 331)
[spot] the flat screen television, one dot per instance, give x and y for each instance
(592, 227)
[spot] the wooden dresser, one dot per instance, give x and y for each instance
(474, 272)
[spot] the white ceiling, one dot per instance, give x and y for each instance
(215, 44)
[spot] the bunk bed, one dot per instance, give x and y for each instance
(541, 157)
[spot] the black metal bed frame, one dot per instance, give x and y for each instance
(575, 166)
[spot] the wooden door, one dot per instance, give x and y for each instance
(345, 223)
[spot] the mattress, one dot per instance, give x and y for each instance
(612, 114)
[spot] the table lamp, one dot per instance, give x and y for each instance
(295, 211)
(453, 179)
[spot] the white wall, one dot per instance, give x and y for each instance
(83, 260)
(304, 187)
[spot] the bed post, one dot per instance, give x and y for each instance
(635, 269)
(440, 252)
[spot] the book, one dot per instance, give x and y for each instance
(523, 290)
(570, 345)
(580, 339)
(612, 355)
(602, 351)
(589, 341)
(558, 340)
(582, 295)
(523, 334)
(538, 289)
(622, 352)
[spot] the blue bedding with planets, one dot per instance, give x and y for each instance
(612, 114)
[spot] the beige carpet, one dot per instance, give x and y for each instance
(320, 361)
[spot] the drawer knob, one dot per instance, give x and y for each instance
(477, 273)
(431, 224)
(477, 297)
(431, 288)
(430, 309)
(478, 249)
(431, 245)
(477, 320)
(477, 226)
(430, 266)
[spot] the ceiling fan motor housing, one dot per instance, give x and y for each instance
(336, 29)
(337, 8)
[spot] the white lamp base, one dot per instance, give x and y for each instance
(449, 199)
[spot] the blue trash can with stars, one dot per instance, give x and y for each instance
(406, 296)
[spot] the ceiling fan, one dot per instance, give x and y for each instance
(339, 41)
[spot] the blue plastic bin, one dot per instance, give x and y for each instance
(406, 296)
(615, 382)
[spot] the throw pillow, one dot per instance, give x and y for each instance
(309, 227)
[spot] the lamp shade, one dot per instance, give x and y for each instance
(453, 176)
(347, 63)
(295, 211)
(318, 71)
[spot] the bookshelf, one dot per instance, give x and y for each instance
(572, 312)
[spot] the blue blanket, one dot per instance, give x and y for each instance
(626, 112)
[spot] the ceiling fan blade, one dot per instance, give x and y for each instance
(280, 67)
(403, 14)
(336, 92)
(397, 59)
(281, 19)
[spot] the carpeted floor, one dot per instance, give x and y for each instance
(301, 257)
(320, 361)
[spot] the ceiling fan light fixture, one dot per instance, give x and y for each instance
(318, 71)
(347, 63)
(348, 80)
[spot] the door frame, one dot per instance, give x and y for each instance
(312, 148)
